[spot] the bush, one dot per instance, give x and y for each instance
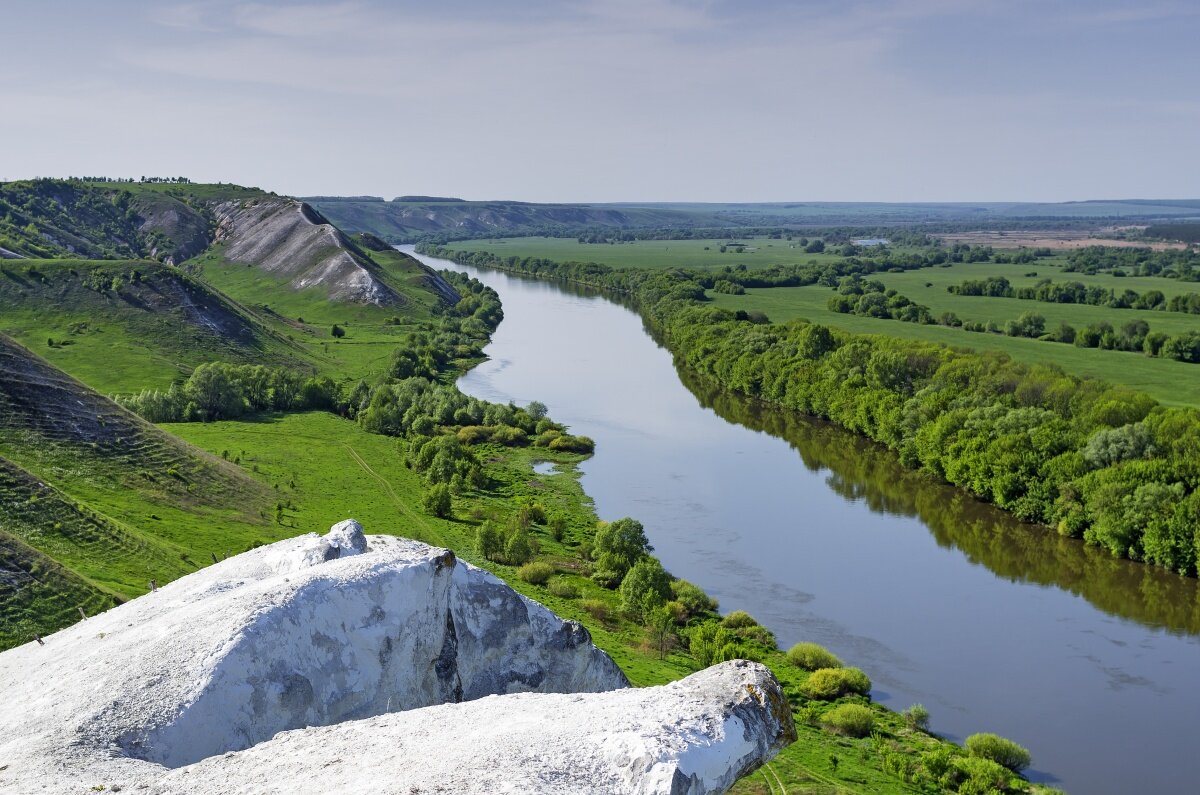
(853, 720)
(598, 609)
(437, 501)
(563, 589)
(647, 586)
(518, 549)
(917, 717)
(830, 683)
(738, 619)
(811, 656)
(692, 597)
(711, 643)
(977, 776)
(489, 543)
(536, 573)
(998, 749)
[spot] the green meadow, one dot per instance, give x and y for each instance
(757, 252)
(1168, 381)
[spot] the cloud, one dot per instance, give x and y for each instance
(616, 99)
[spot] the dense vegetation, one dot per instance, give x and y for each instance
(1102, 463)
(1183, 264)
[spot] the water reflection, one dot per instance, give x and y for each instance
(861, 471)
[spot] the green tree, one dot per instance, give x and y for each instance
(646, 586)
(437, 501)
(616, 547)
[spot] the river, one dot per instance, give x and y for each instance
(1091, 663)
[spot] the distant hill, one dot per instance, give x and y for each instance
(411, 218)
(174, 222)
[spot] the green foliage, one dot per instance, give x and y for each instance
(693, 598)
(563, 589)
(710, 643)
(645, 588)
(812, 656)
(830, 683)
(998, 749)
(853, 720)
(616, 547)
(738, 619)
(917, 717)
(536, 572)
(437, 501)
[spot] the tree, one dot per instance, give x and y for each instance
(337, 331)
(645, 588)
(213, 392)
(617, 546)
(815, 341)
(536, 410)
(661, 625)
(437, 501)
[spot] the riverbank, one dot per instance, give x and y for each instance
(823, 536)
(1102, 463)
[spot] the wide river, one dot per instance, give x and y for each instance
(1092, 663)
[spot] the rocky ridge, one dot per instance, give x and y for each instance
(343, 663)
(288, 238)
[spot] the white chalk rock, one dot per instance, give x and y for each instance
(184, 689)
(697, 735)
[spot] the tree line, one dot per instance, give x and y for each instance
(1095, 461)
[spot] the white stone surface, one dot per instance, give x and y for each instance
(338, 647)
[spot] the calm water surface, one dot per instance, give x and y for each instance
(1091, 663)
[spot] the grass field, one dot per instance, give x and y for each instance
(703, 254)
(1171, 382)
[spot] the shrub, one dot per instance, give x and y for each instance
(488, 541)
(976, 776)
(517, 548)
(646, 587)
(598, 609)
(853, 720)
(437, 501)
(811, 656)
(917, 717)
(536, 573)
(692, 597)
(563, 589)
(711, 643)
(831, 683)
(998, 749)
(738, 619)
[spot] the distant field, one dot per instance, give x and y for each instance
(1166, 380)
(757, 252)
(1052, 240)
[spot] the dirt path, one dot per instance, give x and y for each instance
(401, 504)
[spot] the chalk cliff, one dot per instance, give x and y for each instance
(347, 663)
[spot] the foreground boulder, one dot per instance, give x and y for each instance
(319, 664)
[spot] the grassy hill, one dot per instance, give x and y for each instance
(109, 498)
(156, 321)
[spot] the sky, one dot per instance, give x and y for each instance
(613, 100)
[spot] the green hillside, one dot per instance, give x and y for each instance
(155, 320)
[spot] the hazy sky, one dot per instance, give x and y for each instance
(612, 100)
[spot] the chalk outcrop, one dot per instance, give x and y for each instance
(288, 238)
(348, 663)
